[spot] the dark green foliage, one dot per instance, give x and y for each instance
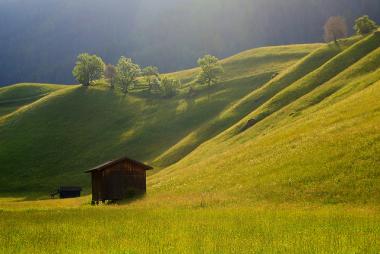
(127, 73)
(151, 71)
(191, 92)
(210, 70)
(364, 25)
(152, 78)
(88, 68)
(168, 87)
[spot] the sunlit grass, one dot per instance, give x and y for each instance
(14, 97)
(320, 148)
(304, 179)
(321, 75)
(191, 230)
(139, 125)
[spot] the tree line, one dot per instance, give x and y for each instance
(117, 27)
(336, 27)
(127, 75)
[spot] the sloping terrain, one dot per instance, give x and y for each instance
(255, 164)
(309, 134)
(14, 97)
(51, 141)
(317, 140)
(252, 101)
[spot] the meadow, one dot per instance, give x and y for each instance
(303, 178)
(202, 229)
(142, 126)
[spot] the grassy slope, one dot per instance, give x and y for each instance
(327, 157)
(77, 128)
(251, 102)
(321, 147)
(266, 190)
(105, 122)
(14, 97)
(254, 61)
(318, 77)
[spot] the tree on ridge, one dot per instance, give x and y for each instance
(127, 73)
(152, 78)
(88, 68)
(364, 25)
(335, 28)
(210, 70)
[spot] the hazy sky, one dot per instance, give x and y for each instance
(39, 39)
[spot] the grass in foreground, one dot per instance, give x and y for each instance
(191, 230)
(233, 193)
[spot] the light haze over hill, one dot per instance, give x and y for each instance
(40, 39)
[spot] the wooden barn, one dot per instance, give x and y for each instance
(118, 179)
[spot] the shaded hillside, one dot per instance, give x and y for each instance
(315, 135)
(73, 129)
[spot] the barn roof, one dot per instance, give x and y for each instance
(111, 163)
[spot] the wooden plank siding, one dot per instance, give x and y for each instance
(118, 180)
(97, 185)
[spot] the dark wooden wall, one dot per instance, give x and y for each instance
(118, 182)
(97, 185)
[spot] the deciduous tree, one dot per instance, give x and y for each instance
(88, 68)
(364, 25)
(210, 70)
(335, 28)
(127, 73)
(168, 87)
(152, 77)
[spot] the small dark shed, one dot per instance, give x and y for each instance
(68, 192)
(118, 179)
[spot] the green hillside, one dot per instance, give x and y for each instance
(14, 97)
(256, 164)
(73, 129)
(252, 101)
(249, 134)
(329, 157)
(317, 140)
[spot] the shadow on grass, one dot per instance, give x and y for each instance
(35, 196)
(129, 200)
(22, 197)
